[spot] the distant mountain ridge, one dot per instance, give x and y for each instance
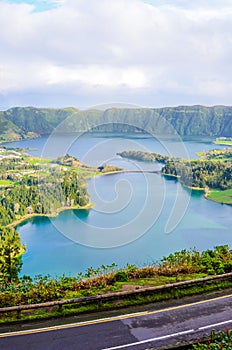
(23, 122)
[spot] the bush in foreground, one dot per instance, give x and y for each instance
(181, 265)
(217, 341)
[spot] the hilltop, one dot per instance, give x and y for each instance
(25, 122)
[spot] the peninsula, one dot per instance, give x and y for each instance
(211, 172)
(32, 186)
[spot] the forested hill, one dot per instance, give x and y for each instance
(186, 120)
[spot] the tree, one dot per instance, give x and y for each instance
(11, 251)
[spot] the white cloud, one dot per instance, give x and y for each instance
(94, 75)
(166, 53)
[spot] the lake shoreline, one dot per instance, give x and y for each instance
(91, 204)
(201, 189)
(77, 207)
(51, 215)
(216, 200)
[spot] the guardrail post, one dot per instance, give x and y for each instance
(99, 304)
(60, 308)
(18, 314)
(203, 284)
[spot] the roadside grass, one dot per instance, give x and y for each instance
(116, 303)
(132, 280)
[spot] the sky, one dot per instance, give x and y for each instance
(82, 53)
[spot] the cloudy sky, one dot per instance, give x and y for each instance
(86, 52)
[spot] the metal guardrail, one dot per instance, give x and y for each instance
(99, 298)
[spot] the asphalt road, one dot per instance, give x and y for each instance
(143, 330)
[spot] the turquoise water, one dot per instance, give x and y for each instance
(128, 223)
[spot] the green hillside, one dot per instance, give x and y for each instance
(185, 120)
(39, 120)
(8, 130)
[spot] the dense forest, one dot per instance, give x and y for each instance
(201, 174)
(20, 122)
(212, 170)
(34, 186)
(30, 185)
(144, 156)
(44, 195)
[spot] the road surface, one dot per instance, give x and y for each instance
(142, 330)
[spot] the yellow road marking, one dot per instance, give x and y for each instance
(110, 319)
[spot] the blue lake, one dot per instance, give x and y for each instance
(137, 218)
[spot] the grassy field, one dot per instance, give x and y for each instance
(223, 142)
(220, 196)
(37, 160)
(4, 183)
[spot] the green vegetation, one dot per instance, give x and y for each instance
(106, 169)
(9, 131)
(11, 251)
(32, 186)
(227, 141)
(116, 303)
(36, 186)
(183, 265)
(180, 266)
(220, 196)
(18, 123)
(29, 120)
(212, 172)
(217, 341)
(137, 155)
(201, 174)
(41, 187)
(217, 155)
(144, 156)
(6, 183)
